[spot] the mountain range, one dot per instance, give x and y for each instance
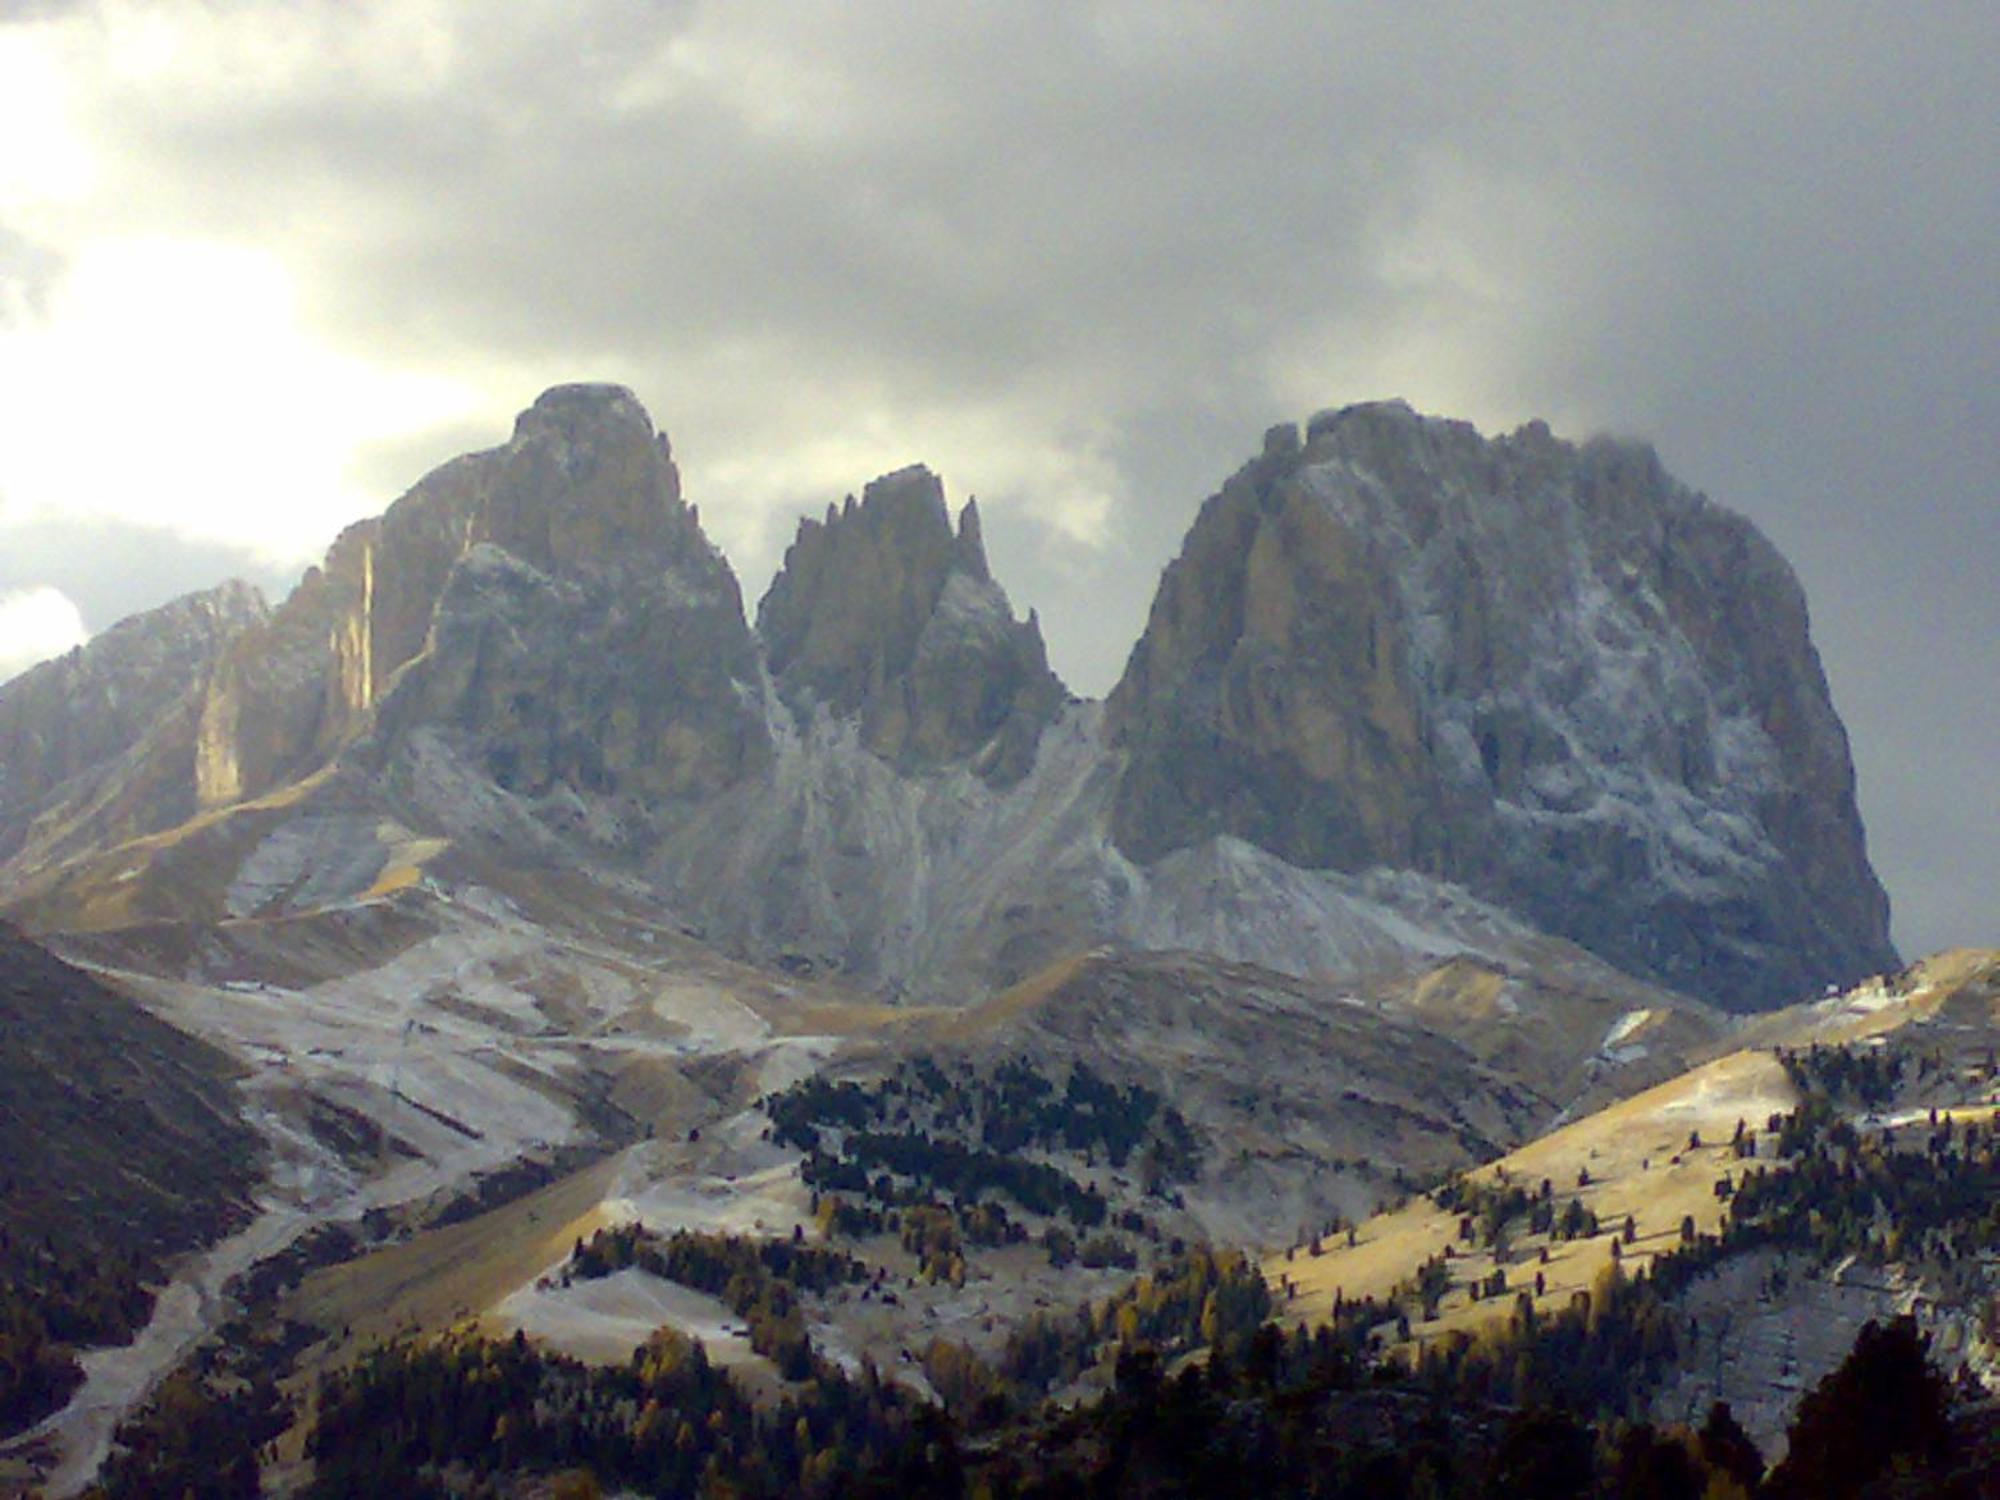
(1459, 792)
(1401, 676)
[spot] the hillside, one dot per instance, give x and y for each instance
(822, 994)
(1864, 1186)
(1645, 1180)
(122, 1149)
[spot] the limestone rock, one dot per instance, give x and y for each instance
(552, 601)
(1407, 694)
(67, 724)
(590, 634)
(1547, 672)
(882, 613)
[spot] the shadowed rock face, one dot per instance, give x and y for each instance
(589, 633)
(1550, 673)
(553, 600)
(1544, 673)
(883, 614)
(67, 725)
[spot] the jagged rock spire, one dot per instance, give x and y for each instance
(884, 613)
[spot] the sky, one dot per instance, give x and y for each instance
(262, 265)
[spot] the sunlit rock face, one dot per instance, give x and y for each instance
(553, 600)
(884, 614)
(68, 726)
(1406, 693)
(1548, 672)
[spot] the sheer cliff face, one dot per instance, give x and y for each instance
(69, 725)
(589, 634)
(883, 614)
(1550, 673)
(1392, 655)
(553, 602)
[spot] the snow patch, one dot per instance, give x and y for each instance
(1624, 1027)
(604, 1320)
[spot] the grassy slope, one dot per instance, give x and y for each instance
(1637, 1155)
(1636, 1152)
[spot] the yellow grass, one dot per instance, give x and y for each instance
(445, 1276)
(1629, 1150)
(1032, 992)
(404, 866)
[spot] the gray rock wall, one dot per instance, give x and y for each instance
(1547, 672)
(883, 614)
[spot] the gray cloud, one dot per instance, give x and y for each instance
(1078, 256)
(28, 271)
(110, 570)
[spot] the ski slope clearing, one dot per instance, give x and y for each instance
(446, 1275)
(604, 1321)
(396, 1055)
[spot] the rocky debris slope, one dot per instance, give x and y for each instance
(940, 888)
(1548, 672)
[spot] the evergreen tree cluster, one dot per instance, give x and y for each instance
(911, 1166)
(1868, 1076)
(452, 1416)
(1197, 1299)
(1009, 1110)
(1299, 1416)
(52, 1301)
(930, 1151)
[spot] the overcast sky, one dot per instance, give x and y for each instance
(263, 264)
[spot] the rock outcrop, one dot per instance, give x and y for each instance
(68, 726)
(589, 634)
(883, 614)
(553, 601)
(1406, 693)
(1549, 673)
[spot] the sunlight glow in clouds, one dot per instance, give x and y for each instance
(263, 262)
(32, 109)
(171, 382)
(36, 624)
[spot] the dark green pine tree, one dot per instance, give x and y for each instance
(1886, 1402)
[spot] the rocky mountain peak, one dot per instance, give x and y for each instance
(579, 413)
(552, 600)
(969, 549)
(1546, 671)
(587, 484)
(886, 614)
(1395, 660)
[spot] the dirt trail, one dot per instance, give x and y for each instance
(117, 1380)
